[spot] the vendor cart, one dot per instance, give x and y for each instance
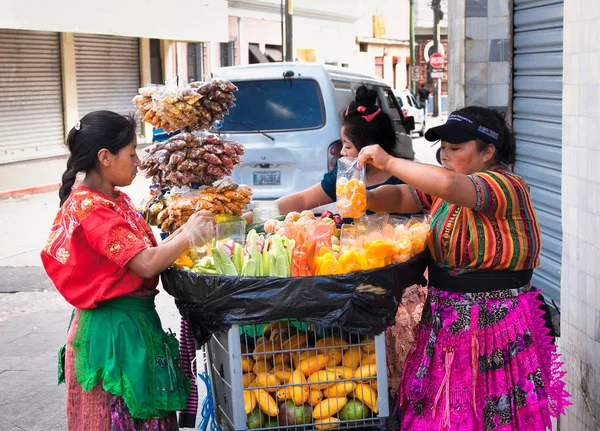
(289, 353)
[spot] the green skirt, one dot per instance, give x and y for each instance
(121, 344)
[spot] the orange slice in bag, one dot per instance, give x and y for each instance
(358, 202)
(354, 186)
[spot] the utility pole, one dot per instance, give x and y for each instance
(437, 83)
(289, 41)
(413, 84)
(282, 32)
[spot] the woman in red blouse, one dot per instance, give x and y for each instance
(121, 369)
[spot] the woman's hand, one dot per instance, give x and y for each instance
(200, 227)
(375, 156)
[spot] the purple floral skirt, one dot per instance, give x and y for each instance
(482, 361)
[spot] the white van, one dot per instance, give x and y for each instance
(287, 116)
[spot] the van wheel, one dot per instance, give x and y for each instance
(422, 132)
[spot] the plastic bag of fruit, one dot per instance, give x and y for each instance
(350, 188)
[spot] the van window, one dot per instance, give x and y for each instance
(272, 105)
(393, 108)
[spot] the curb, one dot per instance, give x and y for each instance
(29, 191)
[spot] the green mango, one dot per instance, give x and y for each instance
(256, 419)
(354, 410)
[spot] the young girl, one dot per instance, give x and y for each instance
(363, 124)
(121, 369)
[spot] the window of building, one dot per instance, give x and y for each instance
(274, 53)
(156, 70)
(227, 54)
(379, 67)
(363, 47)
(195, 61)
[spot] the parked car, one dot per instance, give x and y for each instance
(410, 107)
(287, 116)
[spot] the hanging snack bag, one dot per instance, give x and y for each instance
(350, 188)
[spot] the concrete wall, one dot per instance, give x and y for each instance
(580, 293)
(151, 18)
(479, 40)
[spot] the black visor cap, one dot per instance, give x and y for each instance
(450, 133)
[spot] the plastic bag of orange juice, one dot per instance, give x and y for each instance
(350, 188)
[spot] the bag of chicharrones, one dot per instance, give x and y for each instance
(350, 188)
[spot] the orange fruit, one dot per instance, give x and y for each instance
(352, 187)
(358, 202)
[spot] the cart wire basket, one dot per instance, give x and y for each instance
(288, 374)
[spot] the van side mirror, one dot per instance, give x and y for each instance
(409, 123)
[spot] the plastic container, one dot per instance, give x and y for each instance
(353, 374)
(264, 210)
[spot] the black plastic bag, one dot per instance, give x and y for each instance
(361, 302)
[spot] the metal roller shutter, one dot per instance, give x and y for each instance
(108, 73)
(31, 109)
(537, 122)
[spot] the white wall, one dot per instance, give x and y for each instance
(580, 283)
(326, 27)
(186, 20)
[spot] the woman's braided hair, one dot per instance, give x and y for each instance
(95, 131)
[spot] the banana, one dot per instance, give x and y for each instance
(272, 326)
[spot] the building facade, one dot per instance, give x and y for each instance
(538, 61)
(54, 71)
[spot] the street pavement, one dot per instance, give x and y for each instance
(34, 317)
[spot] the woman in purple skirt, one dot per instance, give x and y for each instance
(484, 357)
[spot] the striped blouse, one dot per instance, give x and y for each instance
(500, 233)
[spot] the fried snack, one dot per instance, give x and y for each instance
(195, 106)
(225, 198)
(185, 159)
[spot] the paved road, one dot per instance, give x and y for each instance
(34, 317)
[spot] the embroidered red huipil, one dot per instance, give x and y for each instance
(92, 239)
